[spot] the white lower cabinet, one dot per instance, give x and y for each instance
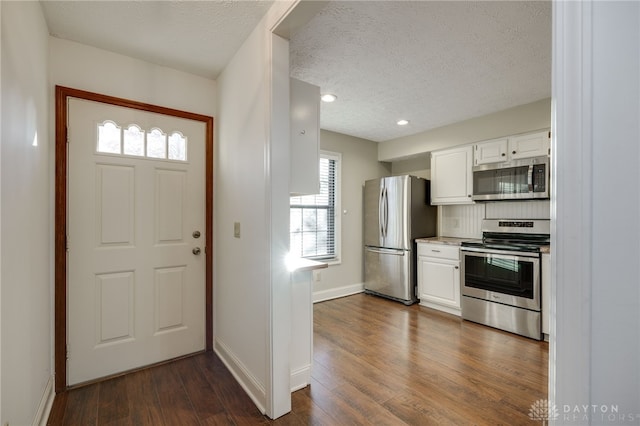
(439, 277)
(546, 296)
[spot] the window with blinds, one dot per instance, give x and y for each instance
(312, 224)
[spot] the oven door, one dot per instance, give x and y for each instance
(510, 278)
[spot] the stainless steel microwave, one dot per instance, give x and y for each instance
(524, 179)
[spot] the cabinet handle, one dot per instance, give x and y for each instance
(457, 267)
(503, 154)
(435, 251)
(513, 152)
(469, 195)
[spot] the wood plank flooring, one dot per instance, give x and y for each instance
(376, 362)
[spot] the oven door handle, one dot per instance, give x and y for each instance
(481, 251)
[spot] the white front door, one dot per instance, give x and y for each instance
(136, 203)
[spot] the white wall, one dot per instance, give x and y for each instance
(595, 323)
(359, 163)
(87, 68)
(26, 279)
(520, 119)
(416, 166)
(252, 301)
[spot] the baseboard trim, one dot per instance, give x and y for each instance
(334, 293)
(300, 378)
(44, 408)
(437, 307)
(242, 375)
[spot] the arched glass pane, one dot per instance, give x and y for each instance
(109, 138)
(133, 141)
(177, 147)
(156, 144)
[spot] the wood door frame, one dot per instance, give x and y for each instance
(62, 95)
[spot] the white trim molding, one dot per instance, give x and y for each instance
(44, 408)
(595, 298)
(571, 219)
(334, 293)
(243, 376)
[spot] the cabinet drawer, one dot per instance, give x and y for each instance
(440, 251)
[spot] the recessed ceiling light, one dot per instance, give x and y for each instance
(403, 122)
(328, 97)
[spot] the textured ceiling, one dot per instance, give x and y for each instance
(433, 63)
(199, 37)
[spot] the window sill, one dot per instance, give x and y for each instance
(332, 262)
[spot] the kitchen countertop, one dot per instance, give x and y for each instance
(300, 264)
(452, 241)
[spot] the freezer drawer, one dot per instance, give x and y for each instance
(389, 273)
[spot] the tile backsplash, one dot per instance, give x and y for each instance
(465, 221)
(462, 221)
(519, 210)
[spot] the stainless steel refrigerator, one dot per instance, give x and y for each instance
(397, 210)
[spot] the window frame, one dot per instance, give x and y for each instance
(337, 223)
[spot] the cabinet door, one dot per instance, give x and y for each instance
(439, 284)
(531, 145)
(451, 176)
(305, 138)
(494, 151)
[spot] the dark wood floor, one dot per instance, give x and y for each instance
(375, 362)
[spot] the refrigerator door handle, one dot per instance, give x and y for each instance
(386, 251)
(380, 212)
(386, 212)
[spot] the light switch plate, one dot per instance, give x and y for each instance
(236, 229)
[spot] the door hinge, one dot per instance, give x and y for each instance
(66, 242)
(68, 134)
(68, 351)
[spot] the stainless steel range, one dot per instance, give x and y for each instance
(501, 275)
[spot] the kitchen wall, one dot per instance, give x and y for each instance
(417, 166)
(464, 221)
(359, 163)
(26, 217)
(520, 119)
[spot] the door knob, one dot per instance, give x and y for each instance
(196, 251)
(196, 234)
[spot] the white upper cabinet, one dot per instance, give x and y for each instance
(530, 145)
(305, 138)
(512, 148)
(451, 178)
(493, 151)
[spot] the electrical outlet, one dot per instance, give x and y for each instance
(318, 276)
(236, 229)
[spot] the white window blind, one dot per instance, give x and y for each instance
(312, 224)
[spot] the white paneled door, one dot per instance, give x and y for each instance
(136, 238)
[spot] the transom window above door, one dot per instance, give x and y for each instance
(138, 142)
